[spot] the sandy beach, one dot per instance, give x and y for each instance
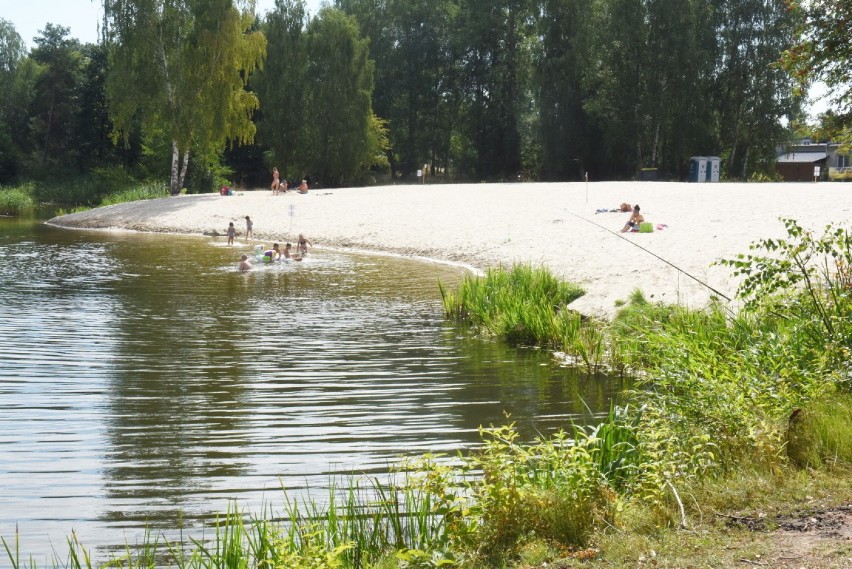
(557, 225)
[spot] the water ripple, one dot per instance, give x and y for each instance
(144, 378)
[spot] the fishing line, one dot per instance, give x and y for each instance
(620, 236)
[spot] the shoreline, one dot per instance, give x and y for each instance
(482, 226)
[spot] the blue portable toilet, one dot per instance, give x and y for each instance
(697, 169)
(714, 164)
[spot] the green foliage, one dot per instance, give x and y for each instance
(55, 96)
(820, 433)
(282, 89)
(523, 305)
(804, 279)
(183, 70)
(317, 97)
(823, 52)
(552, 489)
(416, 77)
(339, 136)
(142, 192)
(16, 201)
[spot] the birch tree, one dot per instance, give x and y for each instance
(181, 66)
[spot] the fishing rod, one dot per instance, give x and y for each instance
(620, 236)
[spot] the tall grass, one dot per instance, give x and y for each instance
(16, 201)
(523, 306)
(136, 193)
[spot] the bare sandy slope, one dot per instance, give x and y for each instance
(487, 225)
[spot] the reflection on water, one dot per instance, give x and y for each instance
(144, 379)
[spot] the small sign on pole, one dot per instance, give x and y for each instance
(292, 211)
(816, 173)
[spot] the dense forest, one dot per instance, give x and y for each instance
(203, 92)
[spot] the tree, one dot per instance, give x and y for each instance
(93, 130)
(617, 83)
(410, 42)
(494, 42)
(182, 67)
(281, 88)
(339, 87)
(12, 52)
(752, 93)
(55, 92)
(824, 52)
(564, 126)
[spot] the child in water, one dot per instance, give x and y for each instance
(303, 245)
(288, 255)
(232, 232)
(272, 255)
(249, 224)
(244, 264)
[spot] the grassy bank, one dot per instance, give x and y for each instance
(23, 200)
(16, 201)
(739, 421)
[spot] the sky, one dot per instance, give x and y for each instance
(83, 17)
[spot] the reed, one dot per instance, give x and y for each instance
(523, 305)
(141, 192)
(17, 201)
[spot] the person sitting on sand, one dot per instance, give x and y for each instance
(292, 256)
(244, 264)
(303, 187)
(634, 221)
(303, 245)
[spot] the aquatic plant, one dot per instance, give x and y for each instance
(16, 201)
(524, 305)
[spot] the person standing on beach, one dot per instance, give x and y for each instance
(232, 232)
(249, 224)
(274, 180)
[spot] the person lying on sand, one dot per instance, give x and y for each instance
(634, 221)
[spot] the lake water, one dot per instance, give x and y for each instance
(144, 380)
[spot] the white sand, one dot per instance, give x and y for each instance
(487, 225)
